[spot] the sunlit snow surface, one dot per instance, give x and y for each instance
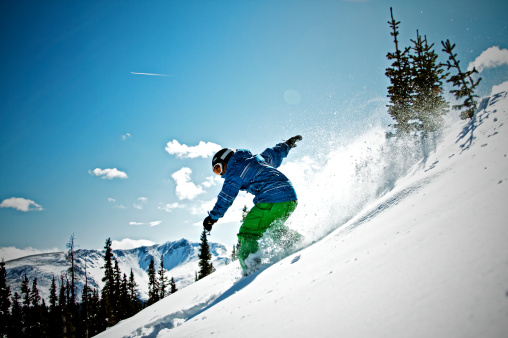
(401, 241)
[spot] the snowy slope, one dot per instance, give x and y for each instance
(180, 260)
(426, 256)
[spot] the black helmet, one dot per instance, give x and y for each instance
(220, 160)
(222, 156)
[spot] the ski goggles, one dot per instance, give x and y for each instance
(218, 169)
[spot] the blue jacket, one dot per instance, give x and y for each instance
(257, 175)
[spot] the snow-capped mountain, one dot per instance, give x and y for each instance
(180, 260)
(426, 254)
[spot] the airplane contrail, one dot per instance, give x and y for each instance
(151, 74)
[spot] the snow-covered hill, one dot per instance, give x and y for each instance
(426, 255)
(180, 260)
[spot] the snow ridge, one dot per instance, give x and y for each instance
(180, 260)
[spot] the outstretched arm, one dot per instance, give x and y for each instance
(274, 156)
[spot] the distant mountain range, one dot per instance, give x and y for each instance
(180, 261)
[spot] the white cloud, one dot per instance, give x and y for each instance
(108, 173)
(21, 204)
(135, 223)
(234, 213)
(185, 188)
(155, 223)
(211, 181)
(9, 253)
(503, 87)
(169, 207)
(203, 207)
(127, 243)
(152, 224)
(139, 206)
(490, 58)
(203, 149)
(126, 136)
(111, 200)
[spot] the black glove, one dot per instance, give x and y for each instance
(208, 223)
(292, 141)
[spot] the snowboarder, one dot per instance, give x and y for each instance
(275, 198)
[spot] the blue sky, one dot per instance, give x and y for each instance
(88, 87)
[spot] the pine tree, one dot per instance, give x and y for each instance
(5, 302)
(54, 311)
(234, 254)
(163, 280)
(16, 319)
(133, 295)
(37, 320)
(172, 285)
(116, 298)
(153, 289)
(53, 298)
(124, 300)
(70, 310)
(463, 80)
(25, 291)
(401, 88)
(95, 320)
(427, 102)
(108, 290)
(70, 258)
(245, 211)
(205, 257)
(62, 306)
(85, 307)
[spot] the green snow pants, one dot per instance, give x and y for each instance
(264, 216)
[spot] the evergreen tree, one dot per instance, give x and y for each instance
(5, 302)
(132, 287)
(26, 315)
(53, 298)
(70, 258)
(153, 289)
(463, 80)
(85, 307)
(245, 211)
(234, 254)
(401, 89)
(62, 308)
(25, 291)
(163, 280)
(125, 301)
(205, 257)
(172, 285)
(108, 291)
(35, 297)
(54, 311)
(70, 308)
(16, 318)
(95, 319)
(116, 298)
(36, 327)
(427, 102)
(133, 295)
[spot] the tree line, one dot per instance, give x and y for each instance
(28, 315)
